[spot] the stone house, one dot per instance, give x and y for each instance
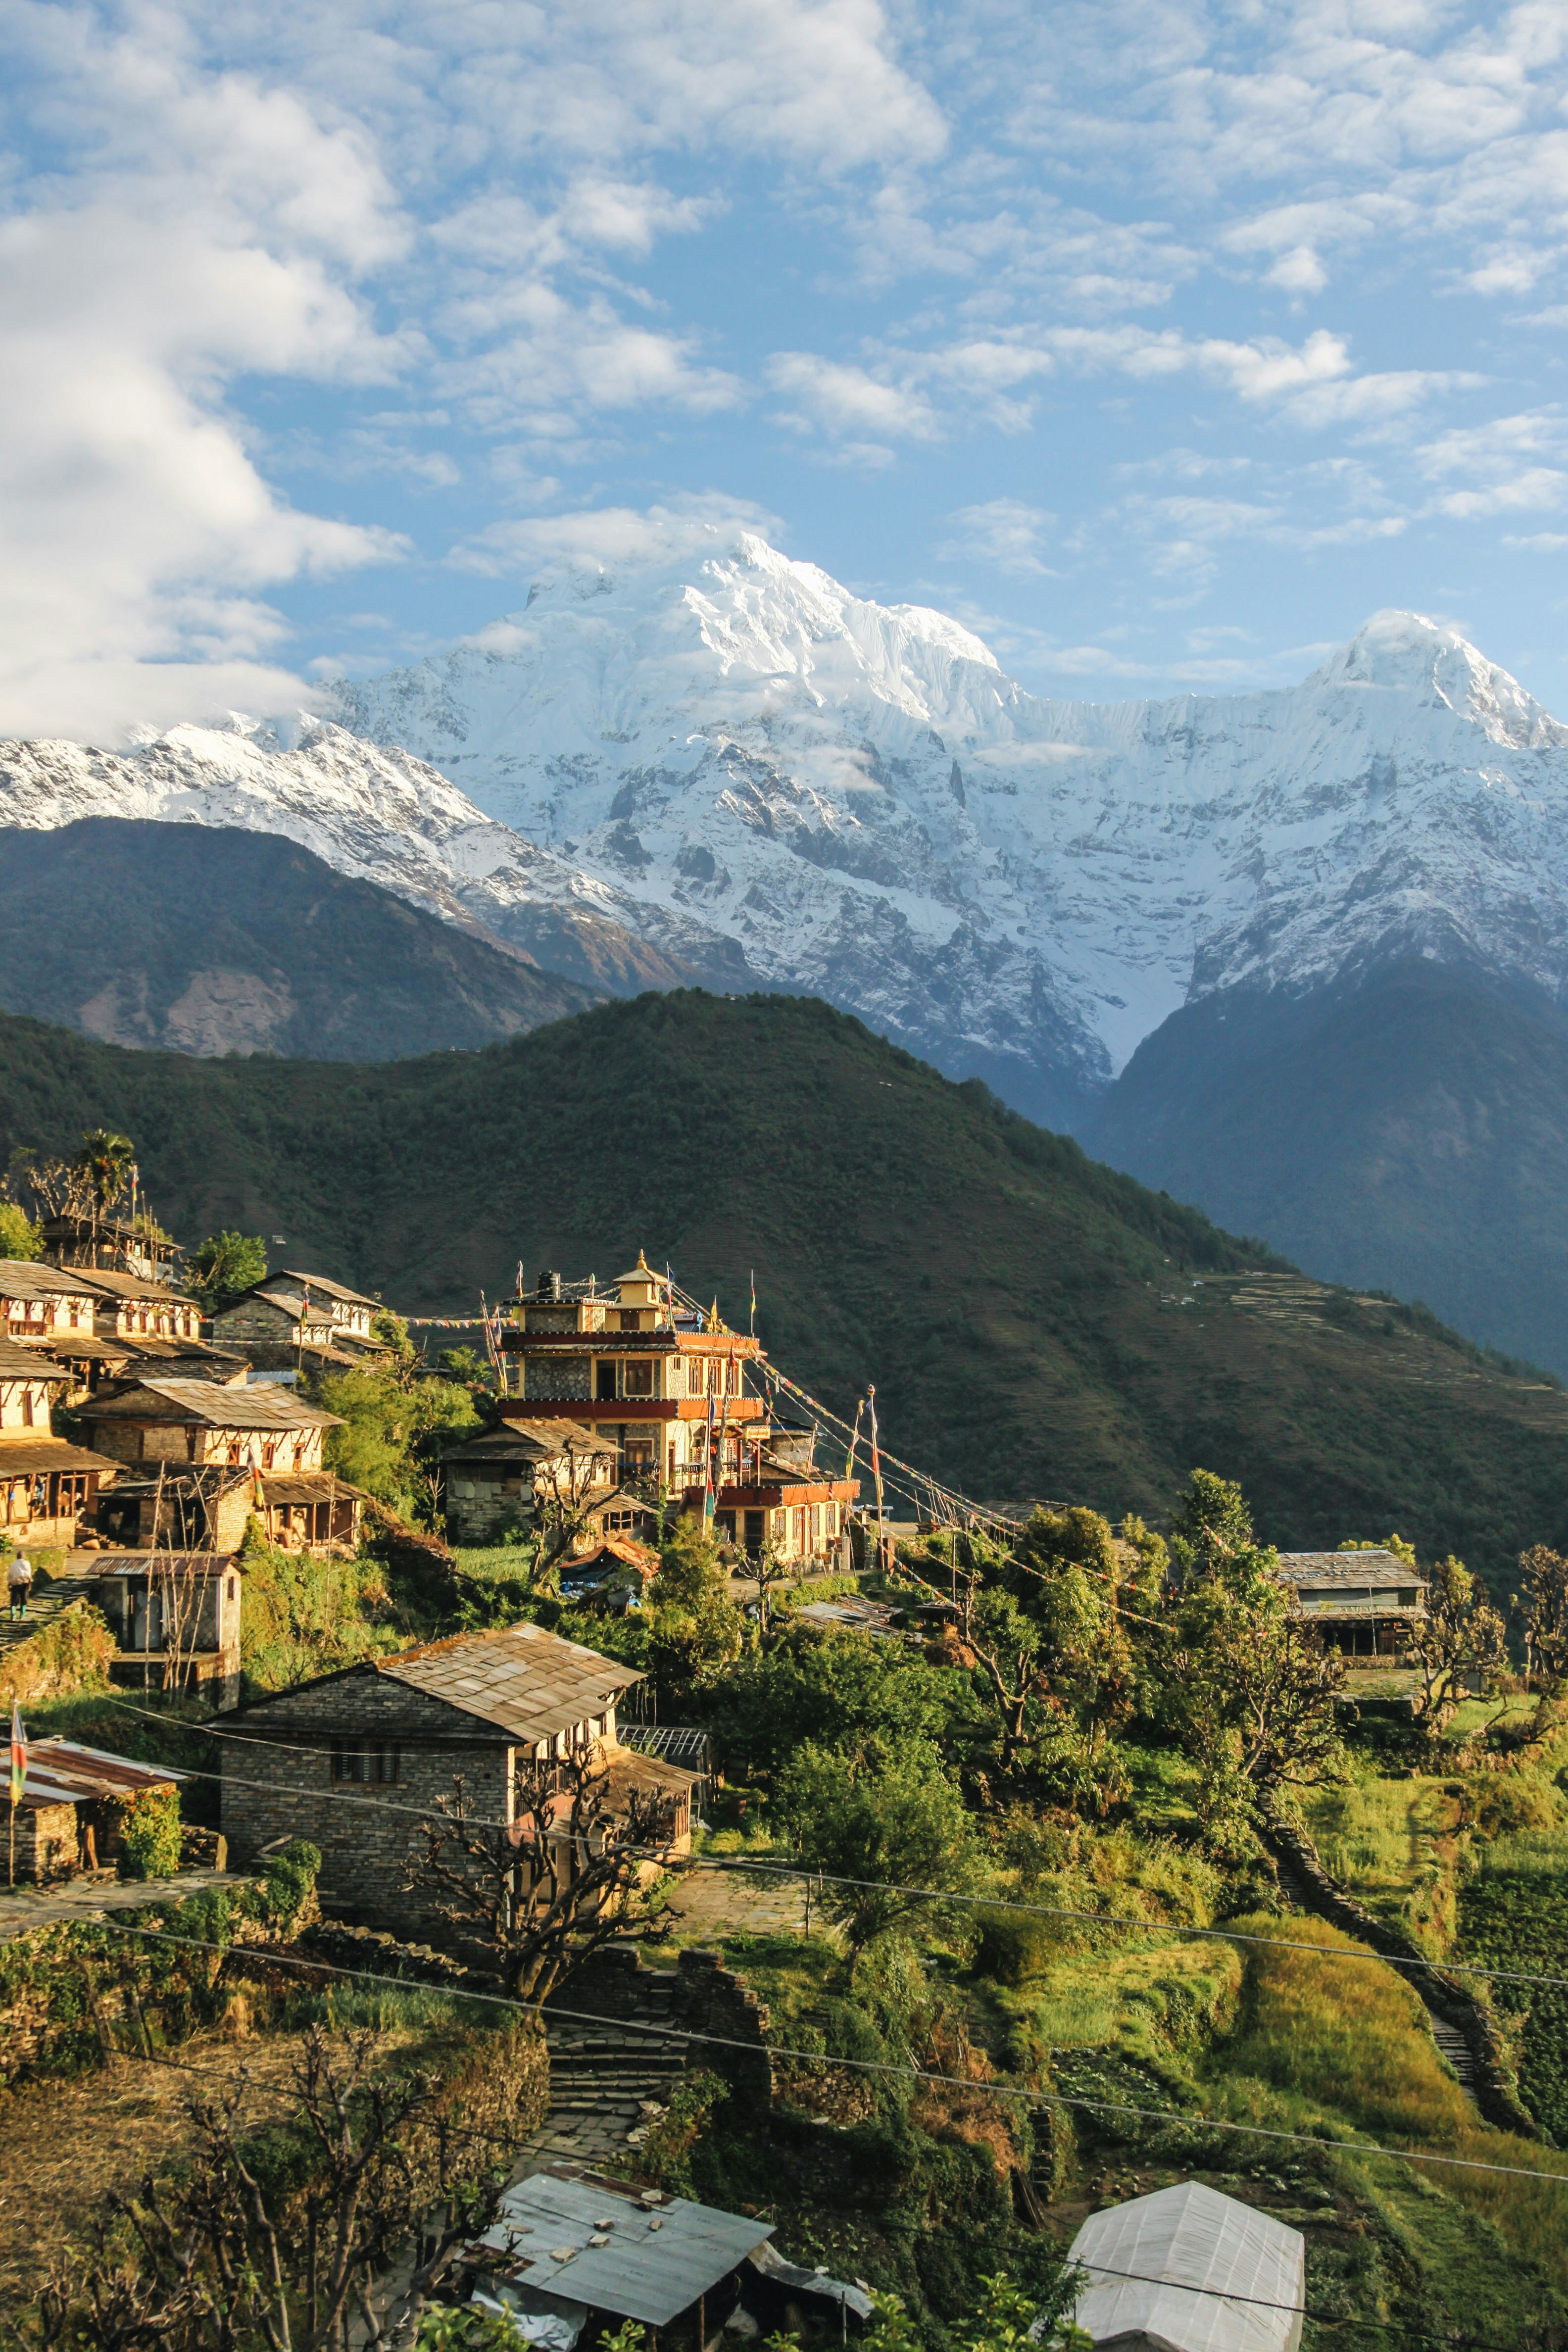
(100, 1326)
(48, 1490)
(289, 1319)
(496, 1480)
(1365, 1604)
(668, 1388)
(202, 1458)
(351, 1759)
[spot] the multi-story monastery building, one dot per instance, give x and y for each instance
(668, 1388)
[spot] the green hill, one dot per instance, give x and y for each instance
(1036, 1324)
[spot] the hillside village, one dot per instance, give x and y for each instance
(724, 1881)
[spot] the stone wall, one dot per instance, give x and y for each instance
(369, 1833)
(566, 1376)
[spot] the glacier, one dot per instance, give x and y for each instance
(758, 779)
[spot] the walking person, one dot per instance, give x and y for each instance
(19, 1581)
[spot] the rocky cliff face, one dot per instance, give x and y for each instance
(733, 769)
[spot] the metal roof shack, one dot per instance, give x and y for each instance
(1187, 2270)
(562, 2239)
(63, 1772)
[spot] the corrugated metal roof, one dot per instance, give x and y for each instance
(267, 1406)
(531, 1683)
(80, 1564)
(604, 2247)
(1190, 2249)
(62, 1772)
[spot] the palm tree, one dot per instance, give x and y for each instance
(104, 1163)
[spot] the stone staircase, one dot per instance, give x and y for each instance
(49, 1602)
(609, 2080)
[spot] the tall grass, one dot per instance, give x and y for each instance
(1327, 2042)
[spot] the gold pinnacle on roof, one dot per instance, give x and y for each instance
(713, 1322)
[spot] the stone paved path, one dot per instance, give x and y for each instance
(708, 1904)
(90, 1897)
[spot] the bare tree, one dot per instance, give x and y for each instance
(545, 1892)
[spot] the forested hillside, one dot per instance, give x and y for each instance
(1036, 1324)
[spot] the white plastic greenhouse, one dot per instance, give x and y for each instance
(1187, 2270)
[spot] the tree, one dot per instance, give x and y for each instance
(887, 1822)
(1249, 1690)
(225, 1264)
(395, 1427)
(1542, 1608)
(543, 1893)
(1460, 1634)
(105, 1161)
(19, 1236)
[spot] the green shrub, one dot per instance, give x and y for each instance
(150, 1834)
(292, 1882)
(1012, 1947)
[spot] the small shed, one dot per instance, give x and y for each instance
(70, 1816)
(1366, 1604)
(566, 2245)
(1189, 2269)
(497, 1478)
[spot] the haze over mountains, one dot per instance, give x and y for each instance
(728, 768)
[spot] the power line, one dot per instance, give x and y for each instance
(869, 1885)
(876, 2065)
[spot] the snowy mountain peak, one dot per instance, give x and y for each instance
(763, 777)
(1407, 653)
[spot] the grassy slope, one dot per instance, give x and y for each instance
(1019, 1309)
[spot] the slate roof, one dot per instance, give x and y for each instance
(23, 1457)
(263, 1405)
(25, 1277)
(601, 2245)
(310, 1486)
(1322, 1570)
(20, 1363)
(332, 1289)
(536, 1442)
(529, 1683)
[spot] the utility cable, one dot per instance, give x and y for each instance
(877, 2067)
(868, 1886)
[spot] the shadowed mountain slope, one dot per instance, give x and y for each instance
(1036, 1324)
(217, 941)
(1407, 1128)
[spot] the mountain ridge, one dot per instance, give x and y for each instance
(1036, 1324)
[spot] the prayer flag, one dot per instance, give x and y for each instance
(18, 1755)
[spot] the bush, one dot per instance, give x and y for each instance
(150, 1834)
(291, 1882)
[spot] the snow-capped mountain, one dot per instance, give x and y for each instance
(766, 779)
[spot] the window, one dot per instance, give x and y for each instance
(629, 1321)
(604, 1384)
(372, 1762)
(234, 1587)
(267, 1452)
(639, 1380)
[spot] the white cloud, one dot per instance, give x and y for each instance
(686, 530)
(1004, 532)
(846, 401)
(212, 237)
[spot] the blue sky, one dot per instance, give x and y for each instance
(1159, 342)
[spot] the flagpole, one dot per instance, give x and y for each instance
(876, 1471)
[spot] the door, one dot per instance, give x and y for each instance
(147, 1620)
